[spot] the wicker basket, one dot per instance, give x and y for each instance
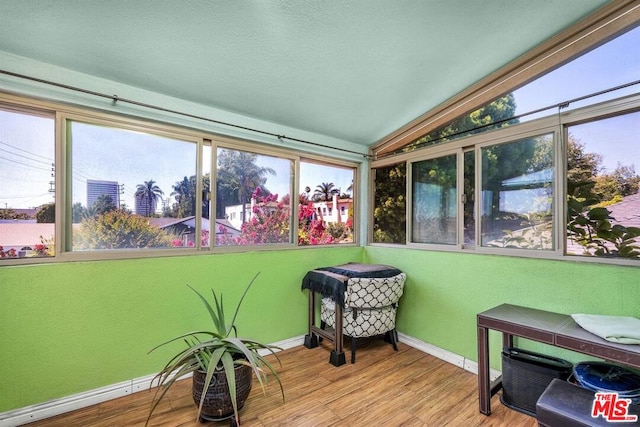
(217, 403)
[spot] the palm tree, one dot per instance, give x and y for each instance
(239, 174)
(185, 194)
(148, 193)
(325, 191)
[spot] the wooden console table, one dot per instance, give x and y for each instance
(559, 330)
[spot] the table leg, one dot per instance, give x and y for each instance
(507, 340)
(337, 357)
(484, 386)
(311, 339)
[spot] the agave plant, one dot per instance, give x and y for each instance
(216, 350)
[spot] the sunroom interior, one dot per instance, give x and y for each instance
(364, 92)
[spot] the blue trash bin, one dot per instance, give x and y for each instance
(609, 378)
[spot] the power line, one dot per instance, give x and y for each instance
(48, 159)
(24, 164)
(560, 106)
(25, 157)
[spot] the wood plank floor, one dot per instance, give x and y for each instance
(383, 388)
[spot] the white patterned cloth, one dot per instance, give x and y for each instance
(370, 306)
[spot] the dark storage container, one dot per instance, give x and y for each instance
(525, 376)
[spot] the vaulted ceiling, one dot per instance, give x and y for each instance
(350, 69)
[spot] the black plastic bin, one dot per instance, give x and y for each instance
(525, 376)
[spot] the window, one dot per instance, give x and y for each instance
(434, 201)
(389, 206)
(561, 184)
(130, 189)
(256, 188)
(517, 194)
(27, 185)
(603, 201)
(326, 204)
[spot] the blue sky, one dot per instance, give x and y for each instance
(129, 158)
(26, 150)
(26, 156)
(614, 64)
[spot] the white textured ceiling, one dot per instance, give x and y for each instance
(354, 70)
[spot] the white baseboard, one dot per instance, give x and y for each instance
(40, 411)
(54, 407)
(447, 356)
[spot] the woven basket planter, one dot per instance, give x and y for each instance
(217, 403)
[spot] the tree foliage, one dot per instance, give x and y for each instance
(325, 192)
(103, 204)
(47, 213)
(271, 223)
(390, 214)
(184, 192)
(238, 177)
(9, 213)
(582, 168)
(390, 182)
(118, 229)
(589, 222)
(622, 182)
(77, 212)
(494, 115)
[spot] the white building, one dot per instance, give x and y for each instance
(336, 210)
(96, 188)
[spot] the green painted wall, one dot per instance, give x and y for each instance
(72, 327)
(445, 291)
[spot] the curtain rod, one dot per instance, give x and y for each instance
(559, 106)
(116, 98)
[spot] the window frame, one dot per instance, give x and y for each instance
(371, 201)
(458, 152)
(341, 164)
(37, 109)
(557, 124)
(64, 198)
(63, 113)
(544, 126)
(217, 143)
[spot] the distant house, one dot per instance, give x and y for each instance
(627, 212)
(185, 228)
(24, 234)
(336, 210)
(233, 213)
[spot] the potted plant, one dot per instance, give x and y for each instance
(222, 364)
